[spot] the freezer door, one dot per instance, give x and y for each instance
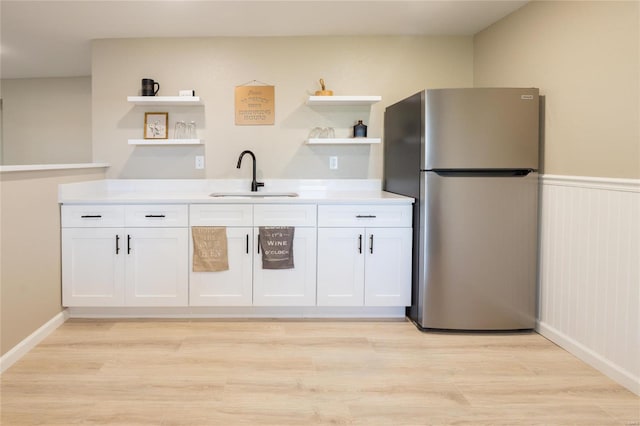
(481, 129)
(478, 250)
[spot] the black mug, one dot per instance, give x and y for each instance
(149, 87)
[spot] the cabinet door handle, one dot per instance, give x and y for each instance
(258, 243)
(247, 243)
(371, 243)
(360, 243)
(128, 244)
(117, 244)
(366, 216)
(154, 215)
(91, 216)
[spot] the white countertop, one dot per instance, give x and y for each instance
(197, 191)
(44, 167)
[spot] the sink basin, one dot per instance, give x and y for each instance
(249, 194)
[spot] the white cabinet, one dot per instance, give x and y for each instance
(364, 265)
(387, 267)
(106, 263)
(341, 266)
(246, 283)
(156, 267)
(141, 256)
(287, 287)
(234, 286)
(92, 267)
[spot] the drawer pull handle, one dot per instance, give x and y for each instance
(91, 216)
(155, 215)
(371, 244)
(366, 216)
(128, 244)
(117, 244)
(360, 243)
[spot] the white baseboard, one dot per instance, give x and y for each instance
(592, 358)
(30, 342)
(240, 312)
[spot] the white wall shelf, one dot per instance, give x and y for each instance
(165, 100)
(165, 142)
(343, 100)
(342, 141)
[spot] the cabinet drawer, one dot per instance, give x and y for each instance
(92, 216)
(284, 215)
(221, 215)
(364, 215)
(157, 215)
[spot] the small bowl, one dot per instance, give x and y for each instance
(324, 92)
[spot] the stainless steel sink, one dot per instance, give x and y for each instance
(248, 194)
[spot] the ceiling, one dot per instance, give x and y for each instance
(52, 38)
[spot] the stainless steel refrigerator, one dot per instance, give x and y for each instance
(470, 158)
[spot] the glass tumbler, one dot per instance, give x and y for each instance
(180, 131)
(191, 130)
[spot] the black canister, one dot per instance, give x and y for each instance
(360, 130)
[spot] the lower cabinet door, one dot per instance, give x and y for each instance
(156, 266)
(93, 261)
(341, 254)
(288, 287)
(388, 267)
(232, 287)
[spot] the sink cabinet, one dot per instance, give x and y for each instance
(364, 255)
(287, 287)
(233, 287)
(246, 283)
(124, 255)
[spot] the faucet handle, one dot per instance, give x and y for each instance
(255, 185)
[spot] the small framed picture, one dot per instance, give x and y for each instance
(156, 125)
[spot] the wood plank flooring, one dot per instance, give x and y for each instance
(211, 372)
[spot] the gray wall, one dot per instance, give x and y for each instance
(46, 120)
(584, 58)
(30, 269)
(393, 67)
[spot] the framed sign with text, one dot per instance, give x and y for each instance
(255, 105)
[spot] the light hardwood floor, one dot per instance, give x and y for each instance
(303, 373)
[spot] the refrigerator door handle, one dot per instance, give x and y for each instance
(483, 173)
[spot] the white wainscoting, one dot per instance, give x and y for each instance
(589, 300)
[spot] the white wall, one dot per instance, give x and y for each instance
(590, 272)
(393, 67)
(46, 120)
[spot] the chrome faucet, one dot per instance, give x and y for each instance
(254, 185)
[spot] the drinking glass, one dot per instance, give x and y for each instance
(180, 131)
(191, 130)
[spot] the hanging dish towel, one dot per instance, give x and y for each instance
(209, 249)
(276, 243)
